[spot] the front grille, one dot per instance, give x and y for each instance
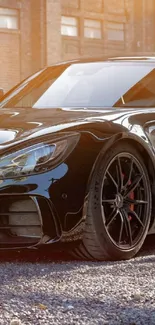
(20, 222)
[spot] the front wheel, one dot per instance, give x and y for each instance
(118, 207)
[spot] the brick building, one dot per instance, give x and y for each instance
(35, 33)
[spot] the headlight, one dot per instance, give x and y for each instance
(37, 158)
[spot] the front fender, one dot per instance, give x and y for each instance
(142, 143)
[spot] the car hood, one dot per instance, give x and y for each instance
(18, 125)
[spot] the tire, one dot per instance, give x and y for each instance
(118, 207)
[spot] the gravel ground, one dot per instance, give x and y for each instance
(51, 291)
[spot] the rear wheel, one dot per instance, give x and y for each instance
(118, 206)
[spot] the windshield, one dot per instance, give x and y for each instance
(96, 84)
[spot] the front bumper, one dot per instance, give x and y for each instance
(57, 197)
(28, 217)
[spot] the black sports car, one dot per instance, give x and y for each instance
(77, 158)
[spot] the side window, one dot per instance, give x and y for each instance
(142, 94)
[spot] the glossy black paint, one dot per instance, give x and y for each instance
(61, 192)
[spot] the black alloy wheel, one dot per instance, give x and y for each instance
(125, 200)
(118, 208)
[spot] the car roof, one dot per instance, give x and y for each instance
(134, 58)
(106, 59)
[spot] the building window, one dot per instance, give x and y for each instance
(115, 32)
(92, 28)
(69, 26)
(9, 18)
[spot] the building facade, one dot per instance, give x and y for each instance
(36, 33)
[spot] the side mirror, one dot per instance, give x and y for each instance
(1, 93)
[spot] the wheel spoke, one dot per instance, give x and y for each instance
(122, 216)
(111, 217)
(134, 185)
(135, 202)
(130, 174)
(128, 226)
(121, 230)
(136, 216)
(120, 174)
(114, 182)
(112, 201)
